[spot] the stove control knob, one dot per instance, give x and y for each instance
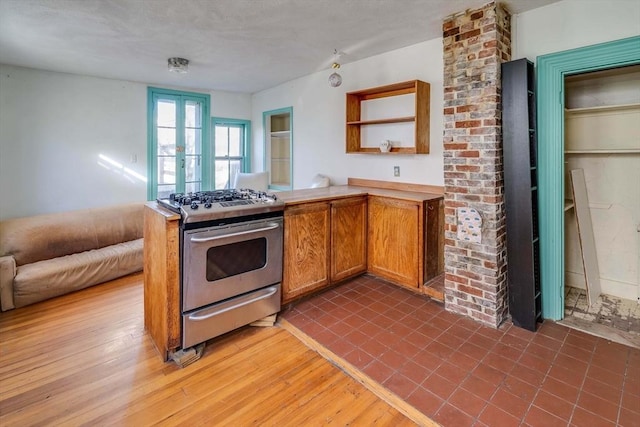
(194, 205)
(207, 205)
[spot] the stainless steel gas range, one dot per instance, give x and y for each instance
(230, 259)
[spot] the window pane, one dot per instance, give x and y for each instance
(234, 168)
(192, 114)
(165, 190)
(222, 174)
(166, 142)
(166, 170)
(192, 187)
(235, 142)
(166, 113)
(222, 141)
(193, 141)
(192, 168)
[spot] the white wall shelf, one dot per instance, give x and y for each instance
(608, 129)
(278, 138)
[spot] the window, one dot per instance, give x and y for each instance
(231, 150)
(178, 128)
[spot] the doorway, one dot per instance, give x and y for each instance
(553, 69)
(602, 144)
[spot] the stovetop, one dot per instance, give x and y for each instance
(218, 204)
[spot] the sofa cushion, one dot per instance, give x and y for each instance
(42, 280)
(45, 237)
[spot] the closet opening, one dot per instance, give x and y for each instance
(602, 203)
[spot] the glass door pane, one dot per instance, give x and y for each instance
(166, 143)
(193, 146)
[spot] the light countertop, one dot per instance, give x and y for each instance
(341, 191)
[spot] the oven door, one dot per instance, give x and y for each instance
(225, 261)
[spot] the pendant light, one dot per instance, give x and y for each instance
(335, 79)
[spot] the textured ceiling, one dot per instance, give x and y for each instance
(233, 45)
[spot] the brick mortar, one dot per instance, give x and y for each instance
(475, 43)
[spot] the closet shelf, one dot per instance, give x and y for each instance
(602, 108)
(280, 134)
(612, 151)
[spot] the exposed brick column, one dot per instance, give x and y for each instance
(475, 42)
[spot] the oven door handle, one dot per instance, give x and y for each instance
(239, 302)
(239, 233)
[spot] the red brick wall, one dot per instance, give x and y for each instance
(475, 43)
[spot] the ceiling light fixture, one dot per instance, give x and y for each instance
(178, 65)
(335, 79)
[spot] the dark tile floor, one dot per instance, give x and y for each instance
(460, 373)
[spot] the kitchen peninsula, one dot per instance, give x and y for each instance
(330, 234)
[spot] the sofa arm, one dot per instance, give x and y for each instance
(7, 274)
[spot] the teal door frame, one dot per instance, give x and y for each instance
(551, 71)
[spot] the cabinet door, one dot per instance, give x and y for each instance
(348, 237)
(394, 240)
(306, 249)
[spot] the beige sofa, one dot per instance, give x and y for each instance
(44, 256)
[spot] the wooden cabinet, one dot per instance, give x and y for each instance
(348, 237)
(521, 192)
(405, 240)
(398, 112)
(324, 242)
(306, 249)
(162, 279)
(394, 234)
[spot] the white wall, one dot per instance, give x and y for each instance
(318, 110)
(230, 105)
(54, 127)
(319, 119)
(570, 24)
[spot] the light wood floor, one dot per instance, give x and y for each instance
(85, 359)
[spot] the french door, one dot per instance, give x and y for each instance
(178, 153)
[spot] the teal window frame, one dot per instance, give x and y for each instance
(266, 139)
(246, 143)
(551, 72)
(155, 93)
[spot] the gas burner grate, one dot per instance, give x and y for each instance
(222, 197)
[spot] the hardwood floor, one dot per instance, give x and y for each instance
(85, 359)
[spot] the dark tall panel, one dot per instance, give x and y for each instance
(521, 192)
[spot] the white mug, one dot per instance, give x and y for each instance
(385, 146)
